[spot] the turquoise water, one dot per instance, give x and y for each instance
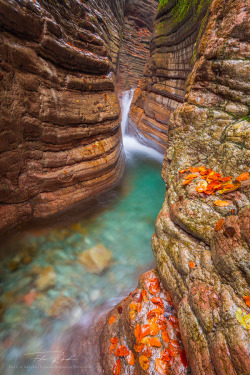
(123, 222)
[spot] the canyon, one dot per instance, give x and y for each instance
(192, 103)
(60, 119)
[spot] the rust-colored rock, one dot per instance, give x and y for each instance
(162, 89)
(148, 328)
(205, 271)
(60, 140)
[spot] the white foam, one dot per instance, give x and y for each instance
(131, 144)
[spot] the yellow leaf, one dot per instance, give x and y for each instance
(243, 318)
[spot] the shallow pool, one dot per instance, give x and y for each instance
(122, 220)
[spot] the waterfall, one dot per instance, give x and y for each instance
(131, 144)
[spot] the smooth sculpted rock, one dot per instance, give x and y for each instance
(96, 259)
(173, 48)
(141, 334)
(201, 241)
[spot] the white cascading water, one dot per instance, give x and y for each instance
(131, 145)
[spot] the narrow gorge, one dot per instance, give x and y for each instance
(124, 187)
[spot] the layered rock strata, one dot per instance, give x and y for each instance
(60, 119)
(134, 51)
(201, 243)
(162, 89)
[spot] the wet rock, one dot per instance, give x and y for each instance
(14, 264)
(61, 306)
(26, 259)
(138, 324)
(96, 259)
(46, 278)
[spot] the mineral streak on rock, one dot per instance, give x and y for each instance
(162, 89)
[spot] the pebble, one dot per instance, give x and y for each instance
(46, 278)
(96, 259)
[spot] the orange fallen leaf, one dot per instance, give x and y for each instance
(151, 341)
(247, 300)
(219, 225)
(230, 187)
(112, 319)
(162, 321)
(144, 362)
(161, 366)
(158, 301)
(191, 176)
(154, 285)
(243, 176)
(226, 179)
(165, 336)
(166, 355)
(139, 347)
(114, 340)
(187, 182)
(183, 171)
(117, 367)
(145, 330)
(221, 203)
(131, 358)
(147, 352)
(121, 351)
(191, 264)
(138, 332)
(154, 329)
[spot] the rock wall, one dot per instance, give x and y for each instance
(134, 51)
(201, 242)
(162, 89)
(60, 120)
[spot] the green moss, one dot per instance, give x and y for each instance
(182, 8)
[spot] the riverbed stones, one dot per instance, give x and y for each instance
(96, 259)
(61, 306)
(46, 278)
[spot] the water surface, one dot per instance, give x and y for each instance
(123, 221)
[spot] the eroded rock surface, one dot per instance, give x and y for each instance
(142, 335)
(162, 89)
(60, 135)
(60, 139)
(134, 51)
(205, 266)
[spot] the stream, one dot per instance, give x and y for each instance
(34, 313)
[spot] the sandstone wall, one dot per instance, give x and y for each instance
(162, 89)
(201, 242)
(204, 268)
(134, 51)
(60, 138)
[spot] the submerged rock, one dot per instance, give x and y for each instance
(46, 278)
(61, 306)
(96, 259)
